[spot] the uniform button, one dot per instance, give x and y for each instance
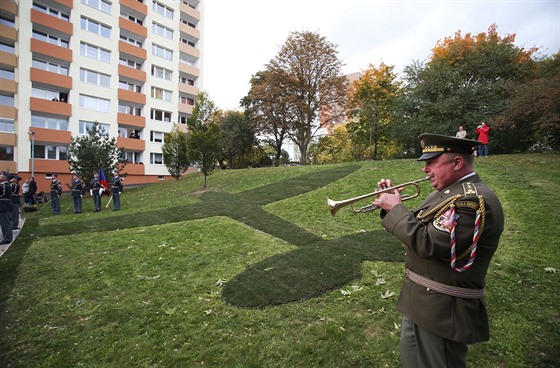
(427, 289)
(405, 254)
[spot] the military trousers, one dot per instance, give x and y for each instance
(422, 349)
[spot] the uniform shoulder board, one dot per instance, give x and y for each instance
(469, 189)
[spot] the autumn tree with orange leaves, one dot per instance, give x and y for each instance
(467, 80)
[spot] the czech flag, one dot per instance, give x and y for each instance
(103, 180)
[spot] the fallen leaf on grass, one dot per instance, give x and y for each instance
(551, 269)
(387, 294)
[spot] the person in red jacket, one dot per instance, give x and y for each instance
(482, 131)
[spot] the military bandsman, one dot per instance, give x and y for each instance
(16, 200)
(449, 241)
(96, 189)
(56, 192)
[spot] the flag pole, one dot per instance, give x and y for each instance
(110, 199)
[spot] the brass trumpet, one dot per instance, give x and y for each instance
(335, 205)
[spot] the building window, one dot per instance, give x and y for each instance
(102, 5)
(188, 42)
(50, 11)
(132, 18)
(7, 100)
(53, 40)
(162, 9)
(95, 53)
(50, 66)
(7, 47)
(95, 28)
(186, 80)
(156, 137)
(4, 20)
(96, 78)
(185, 59)
(161, 73)
(162, 31)
(156, 158)
(132, 157)
(130, 110)
(130, 86)
(6, 153)
(6, 125)
(49, 122)
(50, 152)
(162, 52)
(131, 41)
(130, 63)
(85, 125)
(161, 94)
(48, 94)
(160, 115)
(94, 103)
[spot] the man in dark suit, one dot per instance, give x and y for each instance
(449, 240)
(6, 208)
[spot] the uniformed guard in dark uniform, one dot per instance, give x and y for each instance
(16, 200)
(96, 189)
(449, 241)
(6, 208)
(78, 190)
(56, 192)
(116, 190)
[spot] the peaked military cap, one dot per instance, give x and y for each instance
(6, 174)
(436, 144)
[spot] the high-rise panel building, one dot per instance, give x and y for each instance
(134, 66)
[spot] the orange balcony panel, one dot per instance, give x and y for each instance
(191, 90)
(8, 59)
(51, 135)
(9, 33)
(133, 169)
(8, 112)
(193, 32)
(9, 166)
(50, 78)
(50, 107)
(132, 50)
(132, 120)
(7, 85)
(9, 7)
(45, 48)
(131, 144)
(128, 72)
(183, 47)
(133, 27)
(191, 70)
(135, 5)
(8, 139)
(190, 11)
(135, 97)
(52, 166)
(184, 108)
(66, 3)
(49, 21)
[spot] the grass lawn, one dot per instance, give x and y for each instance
(255, 272)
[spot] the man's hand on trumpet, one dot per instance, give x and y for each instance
(387, 200)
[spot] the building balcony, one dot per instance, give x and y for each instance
(9, 112)
(50, 107)
(38, 17)
(132, 50)
(7, 85)
(130, 96)
(50, 78)
(189, 11)
(185, 109)
(134, 169)
(7, 32)
(193, 32)
(135, 5)
(45, 48)
(51, 166)
(132, 27)
(66, 3)
(135, 74)
(189, 50)
(8, 59)
(188, 89)
(188, 69)
(50, 135)
(131, 120)
(8, 139)
(131, 144)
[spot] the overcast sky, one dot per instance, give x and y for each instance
(242, 36)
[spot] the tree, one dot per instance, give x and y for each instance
(334, 148)
(307, 68)
(174, 150)
(87, 152)
(267, 109)
(371, 101)
(467, 80)
(203, 135)
(237, 138)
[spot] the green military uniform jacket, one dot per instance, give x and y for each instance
(427, 243)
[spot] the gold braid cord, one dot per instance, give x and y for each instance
(445, 205)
